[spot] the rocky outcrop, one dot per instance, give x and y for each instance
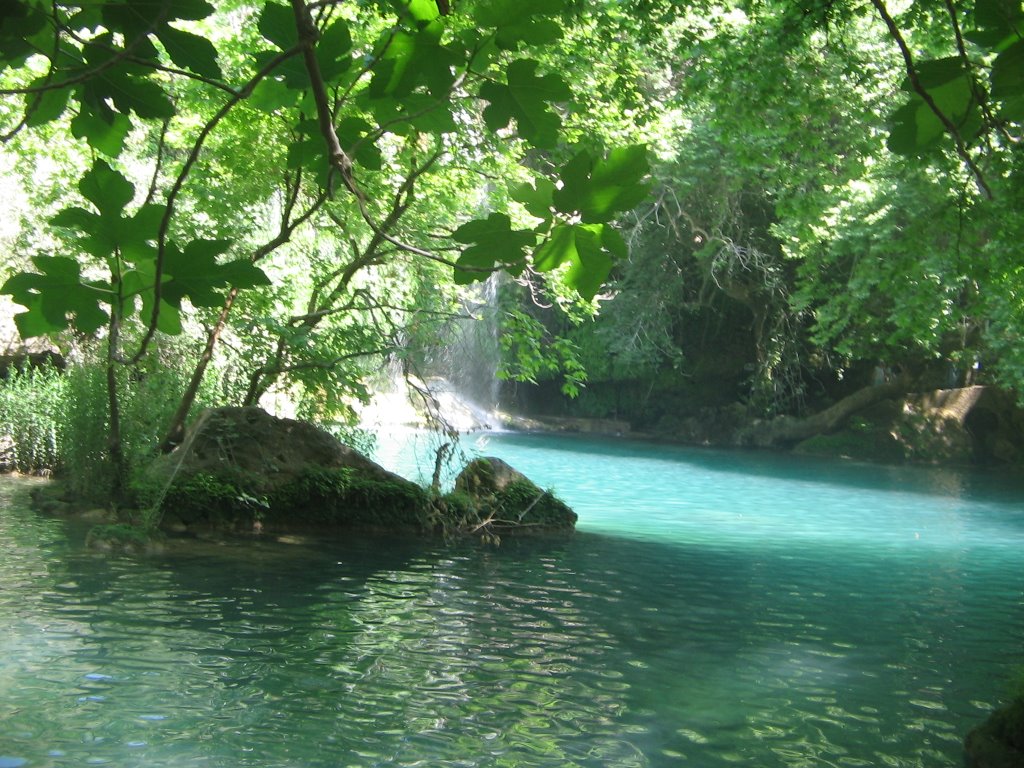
(241, 468)
(499, 499)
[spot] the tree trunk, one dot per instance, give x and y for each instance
(115, 447)
(788, 430)
(176, 430)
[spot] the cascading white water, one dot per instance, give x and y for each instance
(458, 387)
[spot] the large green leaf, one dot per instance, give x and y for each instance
(56, 298)
(493, 245)
(333, 52)
(915, 126)
(106, 188)
(196, 274)
(410, 60)
(526, 98)
(105, 133)
(277, 24)
(45, 106)
(190, 51)
(1001, 15)
(538, 200)
(19, 22)
(598, 189)
(588, 250)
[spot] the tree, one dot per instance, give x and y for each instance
(353, 107)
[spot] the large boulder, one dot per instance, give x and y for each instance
(500, 499)
(243, 468)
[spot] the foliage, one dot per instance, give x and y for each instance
(207, 499)
(343, 497)
(31, 414)
(218, 133)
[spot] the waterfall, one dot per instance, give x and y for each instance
(465, 372)
(457, 385)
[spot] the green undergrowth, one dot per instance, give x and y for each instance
(343, 497)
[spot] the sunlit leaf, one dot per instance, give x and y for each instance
(527, 99)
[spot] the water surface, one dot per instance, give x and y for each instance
(713, 609)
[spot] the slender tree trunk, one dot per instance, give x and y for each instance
(176, 430)
(115, 446)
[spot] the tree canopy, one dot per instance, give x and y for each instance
(307, 186)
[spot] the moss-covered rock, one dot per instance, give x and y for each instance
(862, 441)
(243, 469)
(492, 498)
(999, 741)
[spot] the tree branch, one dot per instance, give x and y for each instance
(926, 97)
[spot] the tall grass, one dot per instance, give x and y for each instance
(32, 402)
(58, 422)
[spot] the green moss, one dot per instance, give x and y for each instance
(526, 504)
(343, 497)
(999, 741)
(213, 499)
(519, 506)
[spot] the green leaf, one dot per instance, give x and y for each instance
(916, 128)
(106, 188)
(534, 31)
(45, 106)
(351, 133)
(537, 200)
(589, 251)
(559, 248)
(999, 15)
(56, 298)
(493, 245)
(135, 94)
(277, 24)
(19, 22)
(1008, 73)
(333, 52)
(420, 11)
(139, 282)
(503, 13)
(196, 274)
(190, 51)
(593, 262)
(526, 98)
(102, 135)
(598, 190)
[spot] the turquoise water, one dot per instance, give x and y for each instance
(714, 609)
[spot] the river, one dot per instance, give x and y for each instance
(713, 609)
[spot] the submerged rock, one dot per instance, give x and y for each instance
(999, 741)
(243, 469)
(127, 539)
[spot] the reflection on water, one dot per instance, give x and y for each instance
(709, 612)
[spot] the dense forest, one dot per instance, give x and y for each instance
(735, 222)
